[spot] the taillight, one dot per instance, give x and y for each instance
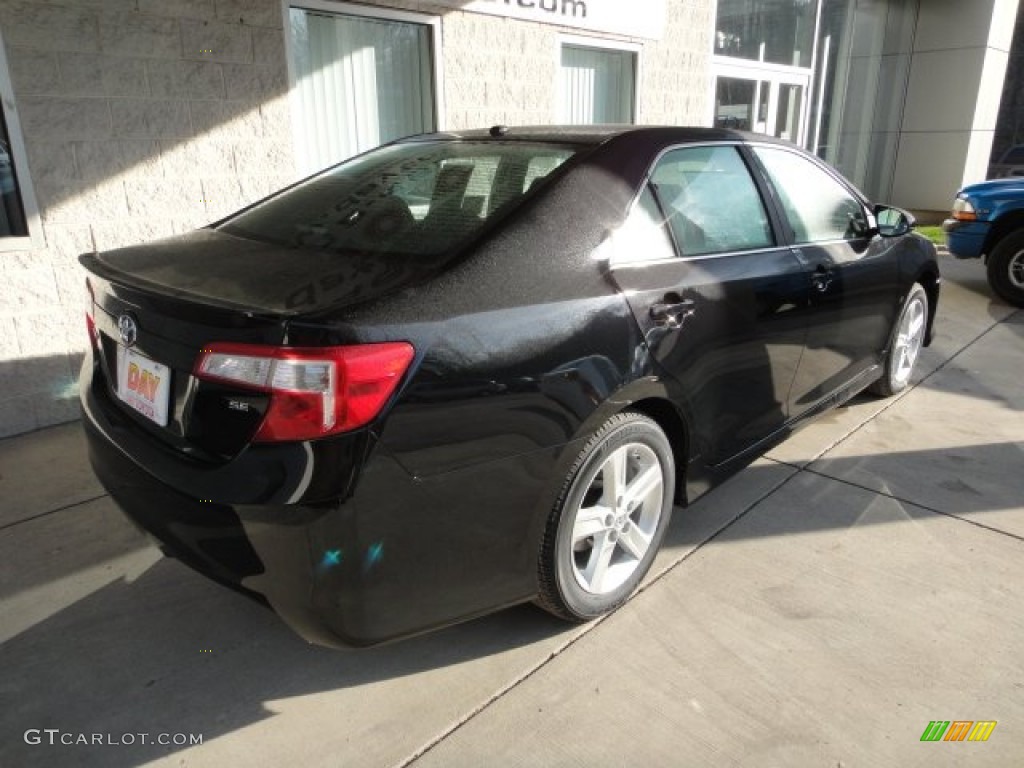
(314, 391)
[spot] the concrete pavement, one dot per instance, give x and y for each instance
(861, 580)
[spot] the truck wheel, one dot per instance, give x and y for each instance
(1006, 268)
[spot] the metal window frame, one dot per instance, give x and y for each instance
(19, 157)
(371, 12)
(605, 44)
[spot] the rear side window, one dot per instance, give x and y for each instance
(711, 202)
(408, 199)
(817, 207)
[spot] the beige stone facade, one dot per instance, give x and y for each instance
(145, 118)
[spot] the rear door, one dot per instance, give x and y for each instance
(853, 274)
(716, 297)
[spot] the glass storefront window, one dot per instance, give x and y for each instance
(12, 212)
(360, 82)
(774, 31)
(830, 75)
(734, 103)
(861, 75)
(596, 85)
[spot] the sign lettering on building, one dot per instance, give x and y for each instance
(637, 18)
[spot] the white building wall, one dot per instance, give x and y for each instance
(956, 78)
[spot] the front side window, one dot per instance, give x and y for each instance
(359, 82)
(596, 86)
(415, 199)
(817, 207)
(711, 201)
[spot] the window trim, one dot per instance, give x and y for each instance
(604, 44)
(364, 11)
(19, 157)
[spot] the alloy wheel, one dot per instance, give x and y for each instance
(909, 340)
(615, 523)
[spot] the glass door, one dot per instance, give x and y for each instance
(771, 103)
(789, 110)
(737, 104)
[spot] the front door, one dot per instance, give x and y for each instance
(852, 272)
(717, 299)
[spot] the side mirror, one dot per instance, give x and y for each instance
(893, 222)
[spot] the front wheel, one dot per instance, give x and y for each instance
(609, 520)
(904, 344)
(1006, 268)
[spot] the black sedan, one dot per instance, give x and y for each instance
(464, 371)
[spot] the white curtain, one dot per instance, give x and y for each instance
(596, 85)
(360, 82)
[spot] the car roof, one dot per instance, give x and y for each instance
(596, 134)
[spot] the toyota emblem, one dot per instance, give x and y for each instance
(129, 330)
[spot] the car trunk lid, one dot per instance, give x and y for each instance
(221, 270)
(181, 294)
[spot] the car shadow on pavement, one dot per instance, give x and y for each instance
(173, 653)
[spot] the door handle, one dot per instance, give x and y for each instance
(672, 314)
(821, 278)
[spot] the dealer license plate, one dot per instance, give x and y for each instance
(143, 384)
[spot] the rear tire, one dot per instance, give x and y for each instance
(1006, 268)
(609, 521)
(904, 344)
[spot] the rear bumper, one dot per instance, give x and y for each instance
(965, 239)
(393, 556)
(265, 551)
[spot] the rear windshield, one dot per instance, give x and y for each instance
(416, 199)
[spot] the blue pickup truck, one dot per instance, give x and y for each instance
(988, 221)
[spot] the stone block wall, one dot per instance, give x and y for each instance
(963, 49)
(141, 119)
(676, 74)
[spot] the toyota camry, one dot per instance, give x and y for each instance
(468, 370)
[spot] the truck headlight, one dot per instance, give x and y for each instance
(963, 210)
